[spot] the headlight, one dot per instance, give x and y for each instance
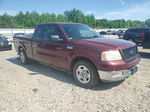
(110, 56)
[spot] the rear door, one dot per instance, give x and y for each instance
(37, 43)
(146, 41)
(138, 35)
(135, 34)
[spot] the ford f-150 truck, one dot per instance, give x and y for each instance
(76, 48)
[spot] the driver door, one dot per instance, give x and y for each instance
(54, 53)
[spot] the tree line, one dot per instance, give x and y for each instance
(31, 19)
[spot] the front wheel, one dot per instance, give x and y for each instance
(85, 74)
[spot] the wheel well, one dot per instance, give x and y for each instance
(79, 59)
(19, 49)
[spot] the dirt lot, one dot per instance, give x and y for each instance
(37, 88)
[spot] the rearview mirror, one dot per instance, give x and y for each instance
(55, 38)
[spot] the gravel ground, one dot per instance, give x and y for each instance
(38, 88)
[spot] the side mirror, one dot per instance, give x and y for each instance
(55, 38)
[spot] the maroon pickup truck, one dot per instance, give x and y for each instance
(76, 48)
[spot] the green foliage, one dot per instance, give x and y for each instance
(75, 15)
(102, 23)
(31, 19)
(6, 21)
(90, 20)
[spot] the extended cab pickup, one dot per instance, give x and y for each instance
(76, 48)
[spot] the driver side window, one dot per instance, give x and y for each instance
(51, 30)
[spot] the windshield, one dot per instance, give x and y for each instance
(79, 31)
(2, 38)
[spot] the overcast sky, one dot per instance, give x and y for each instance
(109, 9)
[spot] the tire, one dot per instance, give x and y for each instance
(85, 74)
(23, 57)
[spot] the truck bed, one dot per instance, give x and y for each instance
(25, 42)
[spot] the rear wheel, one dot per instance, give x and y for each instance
(23, 57)
(85, 74)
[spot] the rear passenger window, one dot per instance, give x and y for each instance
(40, 31)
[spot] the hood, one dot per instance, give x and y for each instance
(104, 43)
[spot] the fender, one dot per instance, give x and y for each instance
(21, 45)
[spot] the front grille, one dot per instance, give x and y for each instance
(130, 53)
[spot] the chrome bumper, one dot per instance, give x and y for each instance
(112, 76)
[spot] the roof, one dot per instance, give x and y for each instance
(58, 23)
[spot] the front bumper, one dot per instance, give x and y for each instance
(113, 76)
